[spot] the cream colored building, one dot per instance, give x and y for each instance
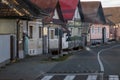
(11, 36)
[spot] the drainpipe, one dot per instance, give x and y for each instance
(61, 41)
(17, 39)
(42, 40)
(103, 35)
(27, 26)
(48, 41)
(58, 42)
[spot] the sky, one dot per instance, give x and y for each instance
(107, 3)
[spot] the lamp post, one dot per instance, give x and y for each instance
(48, 33)
(44, 38)
(45, 30)
(48, 40)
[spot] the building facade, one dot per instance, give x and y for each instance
(99, 33)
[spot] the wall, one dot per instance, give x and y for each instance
(75, 31)
(35, 43)
(7, 29)
(98, 35)
(7, 26)
(4, 48)
(23, 45)
(118, 33)
(54, 43)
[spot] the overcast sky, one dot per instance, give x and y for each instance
(108, 3)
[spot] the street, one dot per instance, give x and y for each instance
(82, 61)
(110, 59)
(82, 65)
(85, 63)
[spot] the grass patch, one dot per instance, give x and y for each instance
(62, 58)
(58, 58)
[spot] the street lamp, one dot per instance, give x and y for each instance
(50, 25)
(45, 51)
(46, 37)
(45, 31)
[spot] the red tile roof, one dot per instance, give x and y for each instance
(68, 8)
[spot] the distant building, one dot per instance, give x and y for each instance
(113, 19)
(99, 33)
(92, 17)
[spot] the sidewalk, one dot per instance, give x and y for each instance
(27, 69)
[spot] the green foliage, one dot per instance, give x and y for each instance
(75, 38)
(62, 58)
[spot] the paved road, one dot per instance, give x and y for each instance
(81, 62)
(78, 77)
(87, 62)
(111, 60)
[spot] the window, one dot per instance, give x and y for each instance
(98, 29)
(31, 31)
(92, 29)
(78, 30)
(40, 32)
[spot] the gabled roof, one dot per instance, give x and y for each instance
(57, 20)
(92, 12)
(22, 9)
(59, 11)
(68, 8)
(112, 15)
(63, 25)
(48, 6)
(56, 16)
(76, 15)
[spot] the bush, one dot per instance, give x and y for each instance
(54, 52)
(75, 48)
(111, 40)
